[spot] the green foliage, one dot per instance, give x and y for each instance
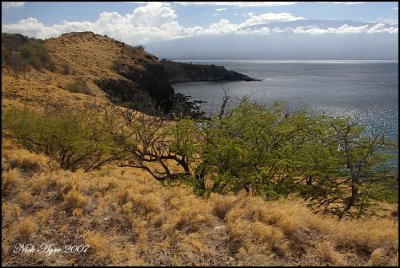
(262, 149)
(364, 157)
(75, 139)
(36, 54)
(15, 65)
(186, 138)
(266, 150)
(274, 152)
(78, 86)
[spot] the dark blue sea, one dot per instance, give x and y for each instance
(366, 90)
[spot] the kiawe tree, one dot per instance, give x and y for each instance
(364, 157)
(265, 150)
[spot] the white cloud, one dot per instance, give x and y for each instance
(270, 17)
(395, 8)
(237, 4)
(380, 27)
(225, 26)
(344, 29)
(7, 5)
(149, 23)
(221, 27)
(30, 27)
(220, 9)
(387, 21)
(158, 22)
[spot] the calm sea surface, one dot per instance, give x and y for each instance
(367, 90)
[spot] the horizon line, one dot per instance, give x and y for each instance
(293, 60)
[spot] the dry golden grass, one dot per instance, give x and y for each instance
(10, 213)
(329, 254)
(24, 230)
(222, 204)
(74, 200)
(10, 182)
(129, 218)
(26, 162)
(377, 257)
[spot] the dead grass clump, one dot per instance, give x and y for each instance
(65, 182)
(329, 254)
(146, 204)
(26, 162)
(175, 198)
(25, 199)
(123, 197)
(191, 219)
(321, 223)
(43, 216)
(267, 234)
(193, 241)
(10, 212)
(77, 213)
(105, 185)
(236, 238)
(221, 204)
(10, 182)
(283, 214)
(40, 184)
(74, 199)
(139, 230)
(100, 248)
(256, 237)
(24, 230)
(367, 236)
(378, 258)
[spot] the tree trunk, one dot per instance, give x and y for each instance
(350, 203)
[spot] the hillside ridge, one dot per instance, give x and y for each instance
(118, 71)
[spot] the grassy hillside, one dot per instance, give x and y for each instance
(124, 216)
(91, 64)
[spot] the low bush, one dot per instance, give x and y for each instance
(65, 68)
(79, 85)
(75, 139)
(15, 65)
(36, 54)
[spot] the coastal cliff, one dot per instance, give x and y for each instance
(99, 65)
(178, 72)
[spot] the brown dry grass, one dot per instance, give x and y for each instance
(128, 218)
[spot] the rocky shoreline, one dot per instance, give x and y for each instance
(178, 72)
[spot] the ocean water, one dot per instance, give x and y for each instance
(366, 90)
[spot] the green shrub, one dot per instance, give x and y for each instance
(78, 86)
(275, 152)
(35, 53)
(15, 65)
(75, 139)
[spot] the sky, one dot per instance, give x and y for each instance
(153, 22)
(143, 22)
